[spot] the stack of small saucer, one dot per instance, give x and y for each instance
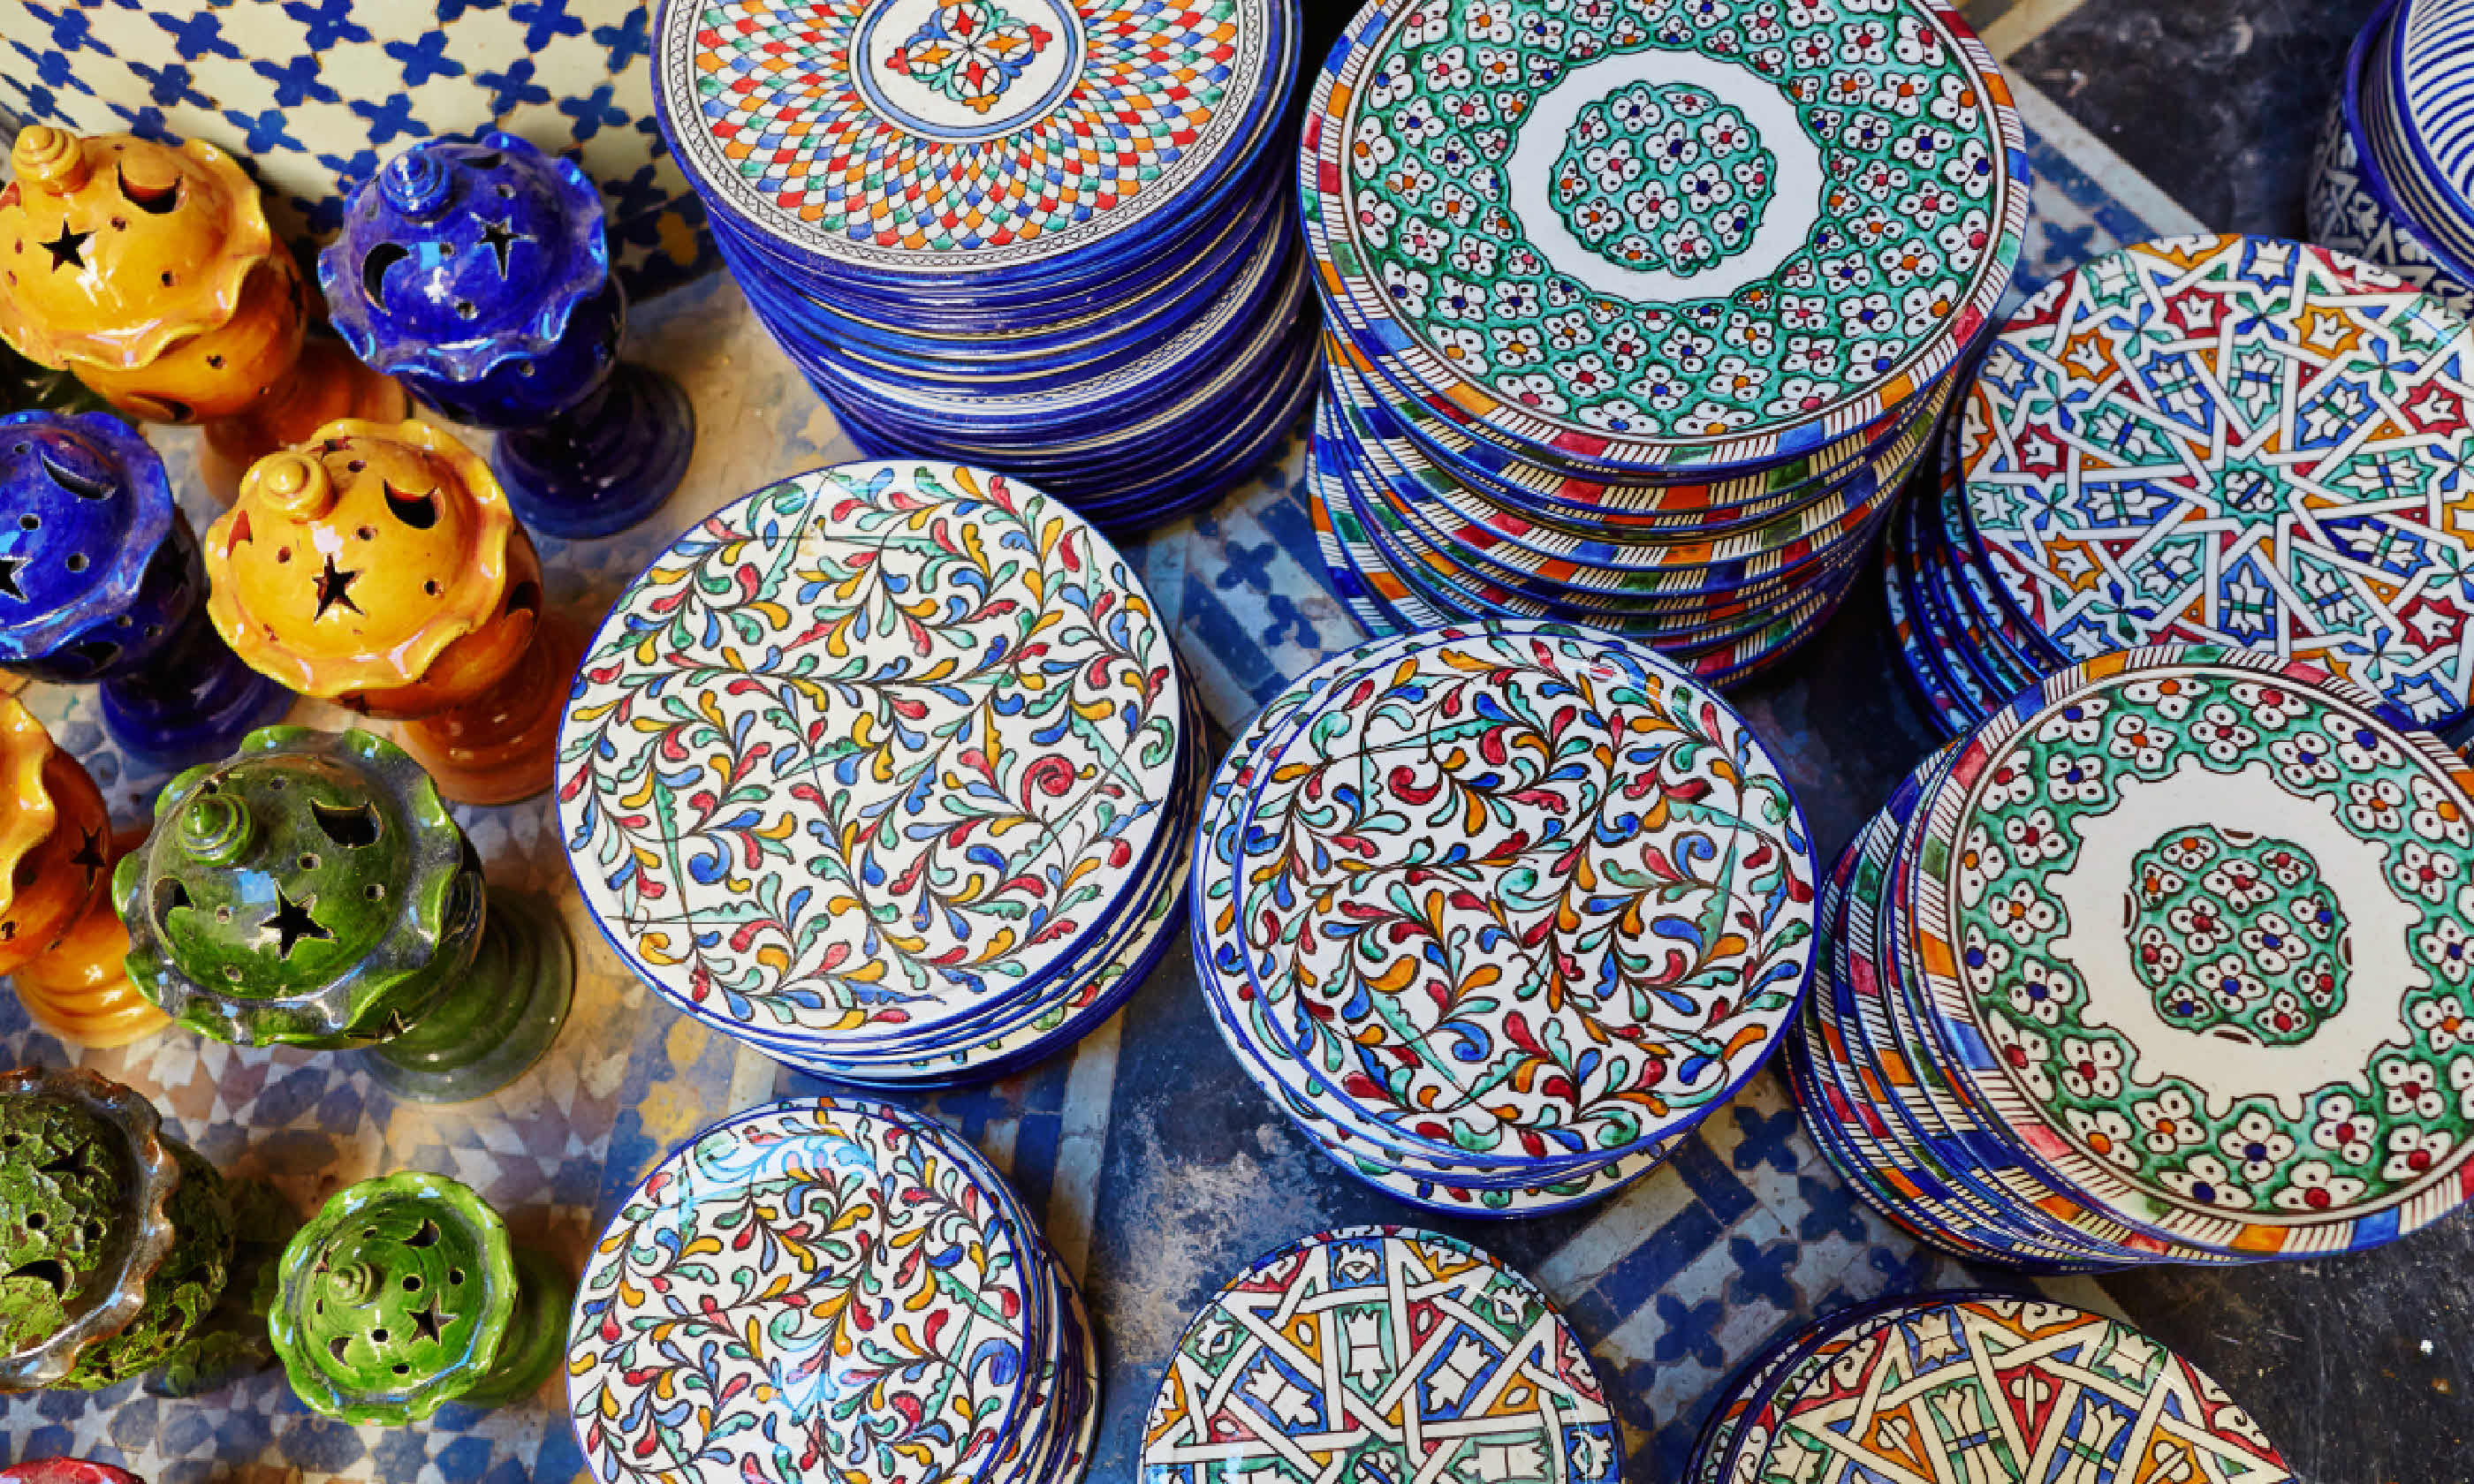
(2392, 179)
(809, 1222)
(1639, 315)
(2167, 963)
(1012, 234)
(887, 770)
(1380, 1354)
(2204, 439)
(1967, 1388)
(1497, 912)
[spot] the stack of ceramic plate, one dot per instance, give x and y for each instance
(1970, 1388)
(1497, 912)
(1639, 315)
(1016, 234)
(2205, 439)
(2167, 963)
(1380, 1354)
(2393, 175)
(799, 1266)
(887, 770)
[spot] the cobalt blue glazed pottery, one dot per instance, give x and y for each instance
(476, 270)
(101, 581)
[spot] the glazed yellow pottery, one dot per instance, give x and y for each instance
(149, 271)
(378, 565)
(59, 937)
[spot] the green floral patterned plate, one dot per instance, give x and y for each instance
(2196, 925)
(1665, 233)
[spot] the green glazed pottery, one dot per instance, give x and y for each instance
(404, 1294)
(311, 889)
(115, 1240)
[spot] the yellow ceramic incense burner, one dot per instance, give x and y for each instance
(150, 273)
(59, 937)
(378, 565)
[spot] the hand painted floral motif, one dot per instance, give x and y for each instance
(2254, 939)
(1996, 1389)
(1914, 205)
(1663, 177)
(970, 52)
(868, 747)
(1531, 890)
(2237, 935)
(809, 1290)
(1378, 1353)
(2236, 440)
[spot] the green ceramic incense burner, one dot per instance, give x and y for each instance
(404, 1294)
(312, 890)
(115, 1240)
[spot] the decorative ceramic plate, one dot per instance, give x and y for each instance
(2022, 655)
(1717, 1439)
(1223, 971)
(1379, 1352)
(897, 135)
(1390, 595)
(2417, 181)
(1080, 976)
(1523, 878)
(1994, 1193)
(1211, 361)
(1992, 1388)
(1087, 993)
(1675, 604)
(1624, 566)
(868, 750)
(1907, 1175)
(1975, 1139)
(794, 1269)
(1740, 1439)
(2349, 206)
(2236, 440)
(2198, 925)
(1593, 504)
(2432, 94)
(1619, 555)
(1666, 233)
(1904, 1173)
(1527, 1177)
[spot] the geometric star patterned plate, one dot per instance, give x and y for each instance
(2236, 440)
(1380, 1354)
(2001, 1391)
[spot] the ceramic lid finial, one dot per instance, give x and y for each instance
(291, 484)
(49, 157)
(416, 184)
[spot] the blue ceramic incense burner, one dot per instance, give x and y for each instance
(101, 582)
(478, 272)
